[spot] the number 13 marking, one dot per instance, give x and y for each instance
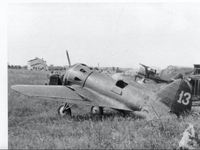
(184, 98)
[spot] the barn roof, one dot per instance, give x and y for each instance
(36, 58)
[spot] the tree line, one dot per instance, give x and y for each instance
(50, 67)
(57, 68)
(17, 67)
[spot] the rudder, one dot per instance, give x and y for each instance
(183, 101)
(177, 96)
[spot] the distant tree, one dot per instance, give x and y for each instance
(51, 67)
(24, 67)
(19, 67)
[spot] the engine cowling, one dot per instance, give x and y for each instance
(77, 74)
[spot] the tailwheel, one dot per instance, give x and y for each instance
(97, 110)
(64, 110)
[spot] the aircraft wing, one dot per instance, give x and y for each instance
(72, 94)
(49, 92)
(99, 99)
(144, 66)
(195, 77)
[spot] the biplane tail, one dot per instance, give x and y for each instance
(177, 96)
(178, 76)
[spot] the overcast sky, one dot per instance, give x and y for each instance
(111, 34)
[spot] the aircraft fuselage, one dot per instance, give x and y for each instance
(108, 90)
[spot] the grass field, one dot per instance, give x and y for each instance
(34, 124)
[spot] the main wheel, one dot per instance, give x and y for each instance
(143, 80)
(97, 110)
(62, 111)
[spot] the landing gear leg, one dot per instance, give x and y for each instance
(97, 110)
(65, 110)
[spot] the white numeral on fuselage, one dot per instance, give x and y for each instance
(184, 98)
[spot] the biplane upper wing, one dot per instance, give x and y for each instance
(49, 92)
(195, 77)
(144, 66)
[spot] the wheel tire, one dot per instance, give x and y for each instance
(64, 112)
(97, 110)
(136, 78)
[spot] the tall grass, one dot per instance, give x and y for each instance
(34, 124)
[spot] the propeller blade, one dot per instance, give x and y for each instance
(68, 58)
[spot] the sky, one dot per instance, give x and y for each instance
(108, 34)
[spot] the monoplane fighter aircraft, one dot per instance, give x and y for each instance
(83, 85)
(146, 73)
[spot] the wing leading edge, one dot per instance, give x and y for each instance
(71, 94)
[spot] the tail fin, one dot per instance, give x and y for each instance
(183, 99)
(178, 76)
(177, 96)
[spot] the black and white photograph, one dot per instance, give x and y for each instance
(103, 75)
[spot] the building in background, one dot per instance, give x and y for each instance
(37, 64)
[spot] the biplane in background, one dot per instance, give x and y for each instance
(83, 85)
(146, 73)
(195, 84)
